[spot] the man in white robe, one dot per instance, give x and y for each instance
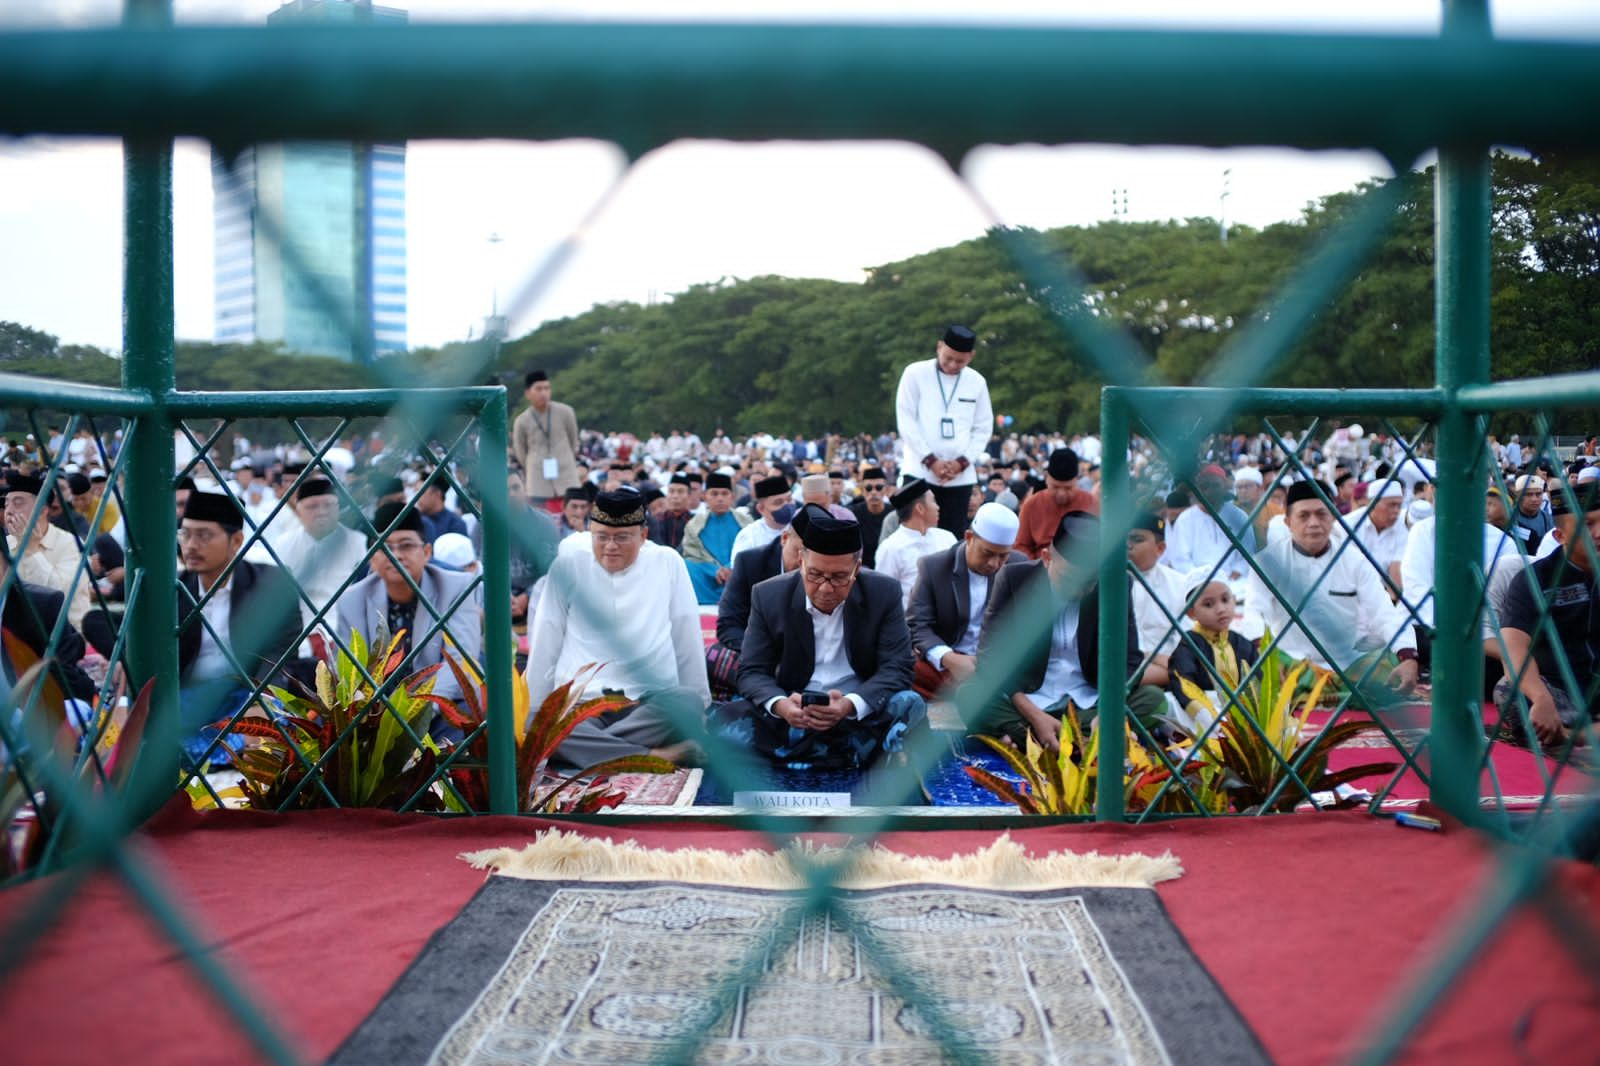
(1344, 608)
(321, 553)
(606, 606)
(1382, 532)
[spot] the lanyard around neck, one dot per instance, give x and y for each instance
(938, 377)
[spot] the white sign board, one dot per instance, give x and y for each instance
(792, 800)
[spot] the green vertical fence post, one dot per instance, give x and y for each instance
(1115, 507)
(499, 670)
(148, 367)
(1461, 358)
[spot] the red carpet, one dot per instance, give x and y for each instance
(1520, 777)
(1311, 923)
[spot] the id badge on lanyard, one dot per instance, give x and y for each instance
(947, 425)
(552, 469)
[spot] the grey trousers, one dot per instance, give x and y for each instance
(650, 724)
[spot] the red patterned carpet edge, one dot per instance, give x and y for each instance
(1311, 923)
(1520, 778)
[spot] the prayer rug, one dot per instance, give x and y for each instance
(619, 971)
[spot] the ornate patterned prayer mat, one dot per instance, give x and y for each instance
(536, 971)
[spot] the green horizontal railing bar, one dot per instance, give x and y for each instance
(1182, 401)
(65, 395)
(310, 403)
(1556, 392)
(644, 85)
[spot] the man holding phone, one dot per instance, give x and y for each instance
(825, 670)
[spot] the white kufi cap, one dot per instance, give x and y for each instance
(996, 524)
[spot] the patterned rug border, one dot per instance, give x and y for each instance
(557, 855)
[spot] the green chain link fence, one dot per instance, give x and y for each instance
(641, 87)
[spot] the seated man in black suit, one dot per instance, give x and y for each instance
(1062, 664)
(952, 590)
(825, 672)
(241, 633)
(733, 609)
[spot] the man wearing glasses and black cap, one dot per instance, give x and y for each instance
(249, 620)
(826, 665)
(629, 606)
(944, 418)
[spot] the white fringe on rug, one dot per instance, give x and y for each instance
(561, 856)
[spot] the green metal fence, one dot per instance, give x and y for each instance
(643, 86)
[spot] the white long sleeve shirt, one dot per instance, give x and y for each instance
(1386, 545)
(925, 398)
(642, 624)
(1416, 564)
(53, 563)
(898, 554)
(757, 534)
(1349, 612)
(320, 566)
(1197, 540)
(1157, 634)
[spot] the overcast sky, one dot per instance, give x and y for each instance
(690, 212)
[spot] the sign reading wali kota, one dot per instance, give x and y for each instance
(791, 799)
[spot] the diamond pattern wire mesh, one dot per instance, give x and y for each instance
(1178, 419)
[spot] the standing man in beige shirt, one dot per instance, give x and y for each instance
(544, 442)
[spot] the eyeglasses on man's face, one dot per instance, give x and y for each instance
(831, 580)
(201, 537)
(405, 547)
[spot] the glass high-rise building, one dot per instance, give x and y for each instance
(310, 238)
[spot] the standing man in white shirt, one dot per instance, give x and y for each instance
(944, 418)
(630, 606)
(919, 533)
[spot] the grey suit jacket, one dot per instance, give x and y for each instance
(365, 606)
(941, 601)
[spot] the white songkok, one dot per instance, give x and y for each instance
(1390, 488)
(814, 485)
(454, 551)
(996, 524)
(1247, 475)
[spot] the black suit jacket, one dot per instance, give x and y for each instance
(750, 568)
(30, 615)
(1017, 583)
(780, 652)
(941, 600)
(263, 618)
